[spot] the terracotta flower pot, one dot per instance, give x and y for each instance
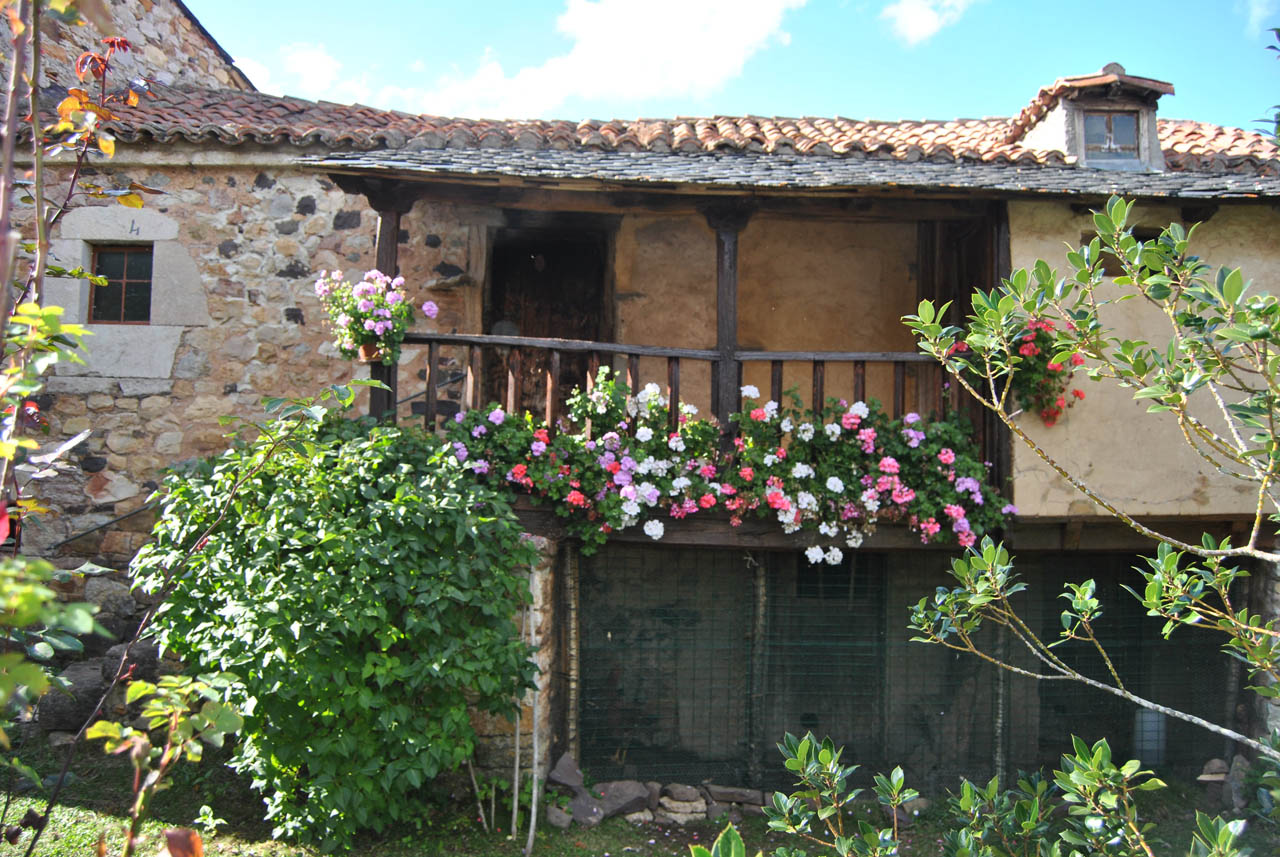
(369, 353)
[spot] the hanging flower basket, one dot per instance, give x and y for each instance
(368, 318)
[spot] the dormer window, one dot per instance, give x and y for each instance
(1111, 135)
(1103, 121)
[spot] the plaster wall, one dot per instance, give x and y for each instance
(1136, 459)
(825, 286)
(665, 289)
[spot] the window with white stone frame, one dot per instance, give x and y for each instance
(136, 331)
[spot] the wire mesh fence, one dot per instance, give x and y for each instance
(694, 662)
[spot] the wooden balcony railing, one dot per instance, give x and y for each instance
(451, 372)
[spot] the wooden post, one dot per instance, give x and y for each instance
(727, 220)
(382, 403)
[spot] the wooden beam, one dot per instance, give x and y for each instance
(727, 221)
(382, 403)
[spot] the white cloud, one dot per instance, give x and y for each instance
(1258, 13)
(619, 49)
(915, 21)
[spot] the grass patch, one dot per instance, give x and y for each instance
(96, 804)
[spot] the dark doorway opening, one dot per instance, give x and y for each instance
(546, 283)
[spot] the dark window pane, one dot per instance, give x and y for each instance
(1095, 130)
(106, 302)
(139, 265)
(1124, 131)
(137, 302)
(110, 264)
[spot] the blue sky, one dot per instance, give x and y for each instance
(883, 59)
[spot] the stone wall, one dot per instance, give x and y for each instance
(169, 47)
(234, 318)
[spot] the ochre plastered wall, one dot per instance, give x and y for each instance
(1136, 459)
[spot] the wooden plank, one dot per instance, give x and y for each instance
(819, 386)
(551, 405)
(859, 380)
(593, 369)
(775, 380)
(514, 397)
(578, 346)
(899, 388)
(433, 372)
(382, 403)
(835, 356)
(633, 373)
(472, 392)
(673, 392)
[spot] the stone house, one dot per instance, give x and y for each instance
(699, 253)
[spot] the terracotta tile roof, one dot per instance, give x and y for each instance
(1112, 75)
(232, 118)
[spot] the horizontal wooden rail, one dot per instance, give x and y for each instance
(580, 346)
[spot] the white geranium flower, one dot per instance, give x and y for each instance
(679, 484)
(834, 555)
(750, 391)
(855, 539)
(771, 409)
(787, 424)
(828, 530)
(676, 443)
(631, 508)
(801, 471)
(805, 432)
(806, 501)
(835, 485)
(645, 467)
(644, 434)
(832, 430)
(653, 529)
(871, 500)
(859, 409)
(689, 410)
(770, 460)
(814, 554)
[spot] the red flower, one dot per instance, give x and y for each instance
(541, 434)
(1079, 394)
(747, 474)
(1054, 367)
(1061, 402)
(1077, 359)
(706, 501)
(777, 500)
(576, 498)
(519, 471)
(759, 415)
(1028, 349)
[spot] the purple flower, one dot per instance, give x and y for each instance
(430, 310)
(394, 298)
(459, 417)
(460, 450)
(364, 305)
(496, 416)
(622, 477)
(591, 445)
(911, 418)
(480, 466)
(478, 430)
(960, 525)
(1009, 509)
(370, 324)
(537, 447)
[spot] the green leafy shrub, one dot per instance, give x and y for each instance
(362, 586)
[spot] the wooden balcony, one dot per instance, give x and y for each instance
(459, 372)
